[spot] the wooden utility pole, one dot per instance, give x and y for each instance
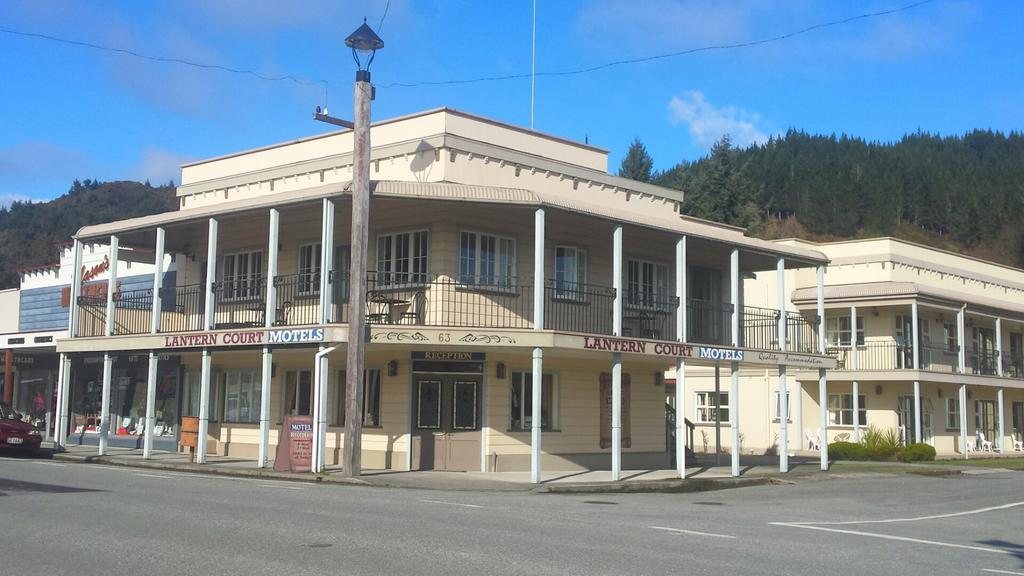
(352, 455)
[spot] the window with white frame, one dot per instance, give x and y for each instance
(486, 260)
(647, 284)
(705, 407)
(837, 330)
(402, 258)
(570, 272)
(242, 275)
(371, 397)
(190, 393)
(242, 395)
(950, 334)
(309, 269)
(952, 413)
(776, 404)
(521, 402)
(840, 409)
(298, 393)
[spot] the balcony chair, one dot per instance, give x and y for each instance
(986, 445)
(813, 442)
(416, 312)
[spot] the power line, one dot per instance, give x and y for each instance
(127, 52)
(385, 15)
(713, 47)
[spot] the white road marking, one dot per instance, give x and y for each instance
(47, 463)
(917, 519)
(153, 475)
(280, 486)
(1002, 571)
(692, 532)
(809, 526)
(452, 503)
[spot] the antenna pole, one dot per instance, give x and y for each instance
(533, 63)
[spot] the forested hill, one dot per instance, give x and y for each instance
(962, 193)
(29, 231)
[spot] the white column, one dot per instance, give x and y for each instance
(108, 368)
(780, 271)
(822, 380)
(267, 368)
(326, 261)
(734, 416)
(147, 442)
(535, 417)
(734, 295)
(270, 316)
(915, 336)
(112, 287)
(963, 419)
(325, 383)
(204, 403)
(617, 357)
(536, 426)
(64, 392)
(999, 346)
(853, 363)
(158, 281)
(319, 369)
(961, 348)
(76, 289)
(60, 429)
(538, 269)
(681, 335)
(154, 328)
(1002, 431)
(211, 277)
(917, 412)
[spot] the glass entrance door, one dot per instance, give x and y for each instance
(907, 419)
(446, 420)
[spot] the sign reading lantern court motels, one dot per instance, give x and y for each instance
(245, 338)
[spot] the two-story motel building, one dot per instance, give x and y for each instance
(500, 257)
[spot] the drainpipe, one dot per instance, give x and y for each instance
(319, 428)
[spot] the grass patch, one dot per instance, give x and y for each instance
(1008, 463)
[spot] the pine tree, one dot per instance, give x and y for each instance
(638, 164)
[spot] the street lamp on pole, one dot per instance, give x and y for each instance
(364, 44)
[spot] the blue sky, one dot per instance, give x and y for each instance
(946, 67)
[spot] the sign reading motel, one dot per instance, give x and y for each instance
(246, 338)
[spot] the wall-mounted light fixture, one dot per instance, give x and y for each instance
(393, 368)
(659, 378)
(874, 311)
(499, 370)
(940, 392)
(878, 389)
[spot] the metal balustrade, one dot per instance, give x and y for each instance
(708, 323)
(985, 362)
(578, 307)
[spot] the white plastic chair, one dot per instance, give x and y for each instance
(986, 445)
(970, 446)
(813, 443)
(1018, 444)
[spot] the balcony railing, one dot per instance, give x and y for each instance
(1013, 364)
(449, 300)
(708, 323)
(761, 330)
(649, 315)
(182, 307)
(939, 359)
(240, 303)
(983, 362)
(576, 307)
(298, 300)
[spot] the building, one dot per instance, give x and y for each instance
(938, 355)
(495, 251)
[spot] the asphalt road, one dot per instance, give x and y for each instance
(81, 519)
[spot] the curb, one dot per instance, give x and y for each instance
(661, 486)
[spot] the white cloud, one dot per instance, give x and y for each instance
(707, 123)
(159, 166)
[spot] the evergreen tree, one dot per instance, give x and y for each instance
(638, 164)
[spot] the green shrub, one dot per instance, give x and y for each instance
(847, 451)
(917, 453)
(881, 444)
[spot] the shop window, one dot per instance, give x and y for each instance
(371, 397)
(190, 390)
(242, 396)
(521, 391)
(298, 393)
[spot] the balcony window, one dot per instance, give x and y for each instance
(570, 272)
(647, 284)
(243, 275)
(309, 269)
(950, 335)
(486, 260)
(837, 331)
(402, 258)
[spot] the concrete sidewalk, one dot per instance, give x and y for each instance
(756, 471)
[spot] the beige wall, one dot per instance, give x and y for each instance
(10, 303)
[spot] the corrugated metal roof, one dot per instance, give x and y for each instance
(618, 206)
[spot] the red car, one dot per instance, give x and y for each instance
(15, 433)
